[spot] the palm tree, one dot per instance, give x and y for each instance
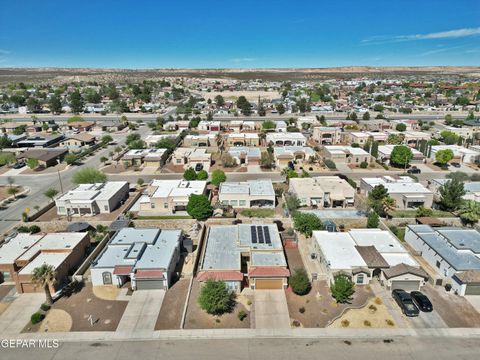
(388, 204)
(45, 276)
(469, 212)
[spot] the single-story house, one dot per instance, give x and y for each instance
(92, 199)
(248, 194)
(286, 139)
(148, 157)
(145, 257)
(244, 255)
(78, 141)
(246, 155)
(191, 157)
(45, 157)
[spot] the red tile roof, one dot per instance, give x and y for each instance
(122, 270)
(148, 273)
(220, 275)
(268, 271)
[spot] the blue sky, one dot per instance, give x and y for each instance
(238, 34)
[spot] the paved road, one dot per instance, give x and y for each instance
(401, 348)
(40, 183)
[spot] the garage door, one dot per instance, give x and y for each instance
(268, 284)
(406, 285)
(472, 290)
(149, 284)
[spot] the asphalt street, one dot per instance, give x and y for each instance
(401, 348)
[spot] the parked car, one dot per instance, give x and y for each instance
(455, 164)
(404, 300)
(199, 167)
(18, 165)
(422, 301)
(414, 170)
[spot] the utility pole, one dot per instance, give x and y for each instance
(60, 180)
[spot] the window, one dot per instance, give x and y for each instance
(61, 209)
(152, 205)
(165, 205)
(360, 278)
(437, 264)
(233, 202)
(105, 207)
(224, 202)
(107, 278)
(356, 159)
(242, 202)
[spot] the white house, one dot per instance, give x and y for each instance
(92, 199)
(146, 257)
(248, 194)
(286, 139)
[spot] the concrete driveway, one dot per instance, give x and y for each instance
(17, 315)
(142, 312)
(271, 310)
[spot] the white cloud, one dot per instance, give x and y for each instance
(241, 60)
(4, 52)
(450, 34)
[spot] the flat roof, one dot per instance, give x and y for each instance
(225, 243)
(291, 150)
(11, 250)
(140, 248)
(98, 191)
(339, 250)
(460, 260)
(248, 151)
(383, 240)
(167, 188)
(250, 187)
(50, 258)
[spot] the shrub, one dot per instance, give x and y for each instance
(23, 229)
(342, 288)
(296, 323)
(34, 229)
(378, 301)
(372, 308)
(345, 323)
(306, 223)
(190, 174)
(199, 207)
(36, 318)
(301, 310)
(241, 315)
(215, 298)
(372, 220)
(45, 307)
(367, 323)
(202, 175)
(390, 322)
(330, 164)
(299, 282)
(363, 164)
(218, 176)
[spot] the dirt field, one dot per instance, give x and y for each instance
(199, 319)
(250, 95)
(373, 315)
(4, 192)
(171, 312)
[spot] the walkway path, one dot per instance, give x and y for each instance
(271, 310)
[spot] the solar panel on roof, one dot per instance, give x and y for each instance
(266, 233)
(253, 232)
(260, 235)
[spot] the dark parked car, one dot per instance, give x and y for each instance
(18, 165)
(198, 167)
(422, 302)
(404, 300)
(414, 170)
(455, 164)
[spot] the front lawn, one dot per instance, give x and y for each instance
(258, 213)
(413, 213)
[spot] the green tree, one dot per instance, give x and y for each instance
(7, 158)
(140, 182)
(307, 223)
(76, 102)
(70, 159)
(292, 202)
(401, 156)
(106, 139)
(219, 100)
(268, 125)
(199, 207)
(45, 277)
(32, 163)
(89, 175)
(423, 212)
(51, 193)
(459, 175)
(13, 190)
(202, 175)
(444, 156)
(451, 194)
(166, 143)
(366, 116)
(299, 282)
(280, 108)
(342, 288)
(190, 174)
(401, 127)
(244, 105)
(449, 137)
(55, 104)
(372, 220)
(470, 212)
(215, 298)
(378, 193)
(395, 139)
(218, 176)
(5, 142)
(103, 159)
(267, 160)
